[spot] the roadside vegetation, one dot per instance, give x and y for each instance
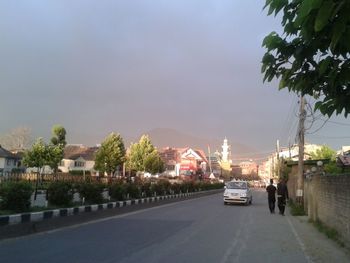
(296, 209)
(15, 197)
(330, 232)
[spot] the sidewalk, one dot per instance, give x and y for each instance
(317, 247)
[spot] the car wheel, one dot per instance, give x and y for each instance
(225, 203)
(251, 201)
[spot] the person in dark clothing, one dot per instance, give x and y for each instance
(282, 196)
(271, 196)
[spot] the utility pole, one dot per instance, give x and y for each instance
(278, 159)
(301, 132)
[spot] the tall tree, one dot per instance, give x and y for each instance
(59, 135)
(37, 156)
(110, 155)
(153, 163)
(312, 56)
(139, 152)
(56, 148)
(42, 154)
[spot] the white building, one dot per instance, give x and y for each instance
(78, 158)
(8, 161)
(287, 153)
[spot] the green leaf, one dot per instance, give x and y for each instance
(267, 3)
(318, 105)
(337, 32)
(324, 65)
(323, 15)
(279, 4)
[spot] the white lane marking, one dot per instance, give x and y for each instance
(301, 243)
(229, 251)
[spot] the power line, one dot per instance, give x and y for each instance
(339, 123)
(331, 137)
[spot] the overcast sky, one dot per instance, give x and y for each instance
(131, 66)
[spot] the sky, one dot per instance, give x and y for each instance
(102, 66)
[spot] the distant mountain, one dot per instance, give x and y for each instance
(164, 137)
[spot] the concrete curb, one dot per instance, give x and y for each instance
(63, 212)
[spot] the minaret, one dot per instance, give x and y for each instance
(225, 151)
(225, 162)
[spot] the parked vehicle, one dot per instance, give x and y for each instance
(238, 192)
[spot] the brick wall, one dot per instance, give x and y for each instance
(327, 198)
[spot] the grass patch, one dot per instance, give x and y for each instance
(330, 232)
(5, 212)
(296, 209)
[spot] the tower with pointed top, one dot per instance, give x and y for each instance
(225, 161)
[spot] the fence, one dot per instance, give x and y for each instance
(45, 178)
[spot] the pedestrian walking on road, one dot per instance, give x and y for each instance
(282, 195)
(271, 196)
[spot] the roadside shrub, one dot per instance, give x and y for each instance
(117, 191)
(133, 190)
(60, 193)
(188, 187)
(92, 192)
(175, 187)
(146, 189)
(296, 209)
(15, 196)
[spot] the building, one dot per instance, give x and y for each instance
(9, 161)
(248, 167)
(270, 167)
(184, 162)
(78, 158)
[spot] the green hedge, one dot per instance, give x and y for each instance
(60, 193)
(15, 196)
(92, 192)
(117, 191)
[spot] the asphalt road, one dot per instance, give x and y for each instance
(196, 230)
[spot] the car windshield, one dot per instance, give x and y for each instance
(236, 185)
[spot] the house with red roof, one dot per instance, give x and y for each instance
(186, 163)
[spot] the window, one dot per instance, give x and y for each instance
(8, 162)
(79, 164)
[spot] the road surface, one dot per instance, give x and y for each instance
(196, 230)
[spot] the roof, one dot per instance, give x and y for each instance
(6, 154)
(344, 159)
(73, 152)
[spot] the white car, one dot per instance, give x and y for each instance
(237, 192)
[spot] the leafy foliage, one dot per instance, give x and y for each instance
(42, 154)
(15, 196)
(312, 57)
(111, 154)
(92, 192)
(60, 193)
(153, 163)
(37, 155)
(144, 157)
(117, 191)
(332, 168)
(59, 135)
(324, 152)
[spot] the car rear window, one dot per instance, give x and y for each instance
(237, 185)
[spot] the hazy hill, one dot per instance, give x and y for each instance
(163, 137)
